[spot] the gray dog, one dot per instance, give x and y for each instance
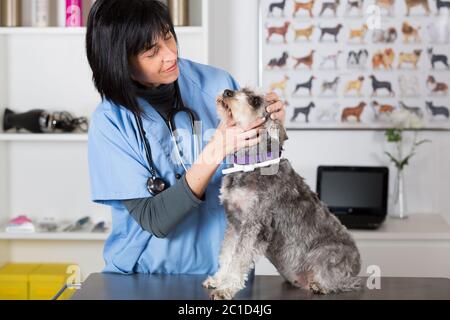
(271, 211)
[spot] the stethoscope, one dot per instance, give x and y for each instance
(156, 185)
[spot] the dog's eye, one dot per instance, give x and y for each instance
(255, 101)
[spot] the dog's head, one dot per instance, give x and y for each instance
(246, 106)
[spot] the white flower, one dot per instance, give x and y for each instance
(402, 119)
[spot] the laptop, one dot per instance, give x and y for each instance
(358, 196)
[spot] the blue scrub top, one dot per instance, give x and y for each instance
(118, 171)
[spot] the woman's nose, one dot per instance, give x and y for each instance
(169, 54)
(228, 94)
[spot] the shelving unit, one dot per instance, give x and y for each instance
(11, 137)
(78, 31)
(61, 236)
(47, 174)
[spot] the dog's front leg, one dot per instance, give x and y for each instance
(230, 240)
(242, 261)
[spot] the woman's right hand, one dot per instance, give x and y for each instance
(229, 138)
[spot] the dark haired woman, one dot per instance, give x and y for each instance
(166, 214)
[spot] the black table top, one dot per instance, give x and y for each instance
(104, 286)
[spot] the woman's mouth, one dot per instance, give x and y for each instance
(172, 68)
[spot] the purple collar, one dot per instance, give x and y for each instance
(252, 159)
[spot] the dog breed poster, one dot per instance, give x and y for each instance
(357, 63)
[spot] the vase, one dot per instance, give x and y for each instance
(398, 206)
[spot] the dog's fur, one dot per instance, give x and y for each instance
(409, 86)
(387, 5)
(414, 3)
(357, 59)
(437, 110)
(412, 58)
(411, 109)
(435, 58)
(355, 85)
(354, 4)
(281, 85)
(383, 58)
(440, 4)
(333, 6)
(278, 62)
(305, 85)
(277, 5)
(304, 32)
(410, 32)
(334, 57)
(377, 85)
(353, 111)
(328, 112)
(303, 110)
(306, 60)
(272, 211)
(330, 85)
(282, 31)
(308, 6)
(388, 35)
(358, 33)
(381, 109)
(436, 87)
(334, 31)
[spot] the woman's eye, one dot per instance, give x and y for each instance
(153, 53)
(169, 36)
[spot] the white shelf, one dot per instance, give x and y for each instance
(47, 137)
(72, 236)
(420, 227)
(76, 31)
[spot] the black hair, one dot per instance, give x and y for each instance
(118, 30)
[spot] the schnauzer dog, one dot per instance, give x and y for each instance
(271, 211)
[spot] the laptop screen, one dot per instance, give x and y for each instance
(353, 190)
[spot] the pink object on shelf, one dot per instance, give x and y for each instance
(20, 220)
(74, 13)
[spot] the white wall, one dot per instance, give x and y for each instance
(234, 47)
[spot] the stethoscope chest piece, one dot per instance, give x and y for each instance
(155, 185)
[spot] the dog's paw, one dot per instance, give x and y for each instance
(211, 283)
(316, 288)
(223, 294)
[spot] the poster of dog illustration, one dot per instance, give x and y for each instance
(342, 64)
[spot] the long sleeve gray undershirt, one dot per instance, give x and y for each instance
(160, 214)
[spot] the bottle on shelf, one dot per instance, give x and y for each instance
(179, 12)
(11, 13)
(74, 13)
(40, 11)
(61, 13)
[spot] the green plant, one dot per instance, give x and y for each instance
(395, 135)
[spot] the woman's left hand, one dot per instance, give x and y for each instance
(276, 108)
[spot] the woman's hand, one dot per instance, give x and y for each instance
(229, 138)
(277, 109)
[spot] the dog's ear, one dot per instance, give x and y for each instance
(222, 109)
(277, 131)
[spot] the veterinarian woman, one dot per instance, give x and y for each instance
(132, 50)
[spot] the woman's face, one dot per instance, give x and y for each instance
(158, 65)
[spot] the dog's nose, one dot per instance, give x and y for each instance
(228, 94)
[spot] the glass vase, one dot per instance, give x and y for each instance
(398, 206)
